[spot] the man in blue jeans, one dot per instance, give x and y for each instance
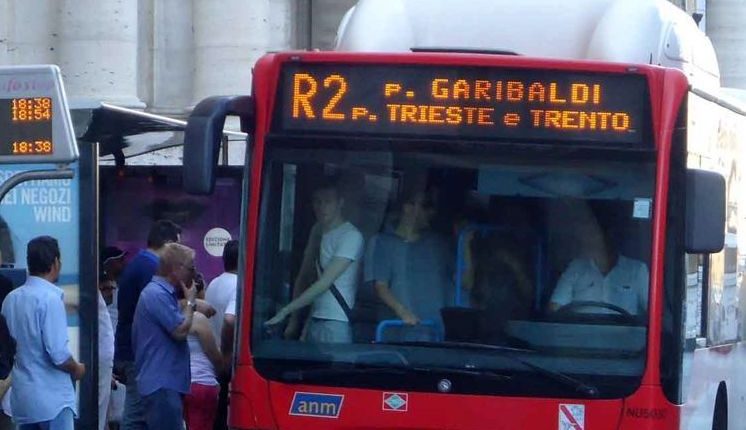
(159, 334)
(43, 395)
(135, 277)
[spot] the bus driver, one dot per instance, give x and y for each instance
(600, 274)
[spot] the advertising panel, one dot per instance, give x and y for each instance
(44, 207)
(132, 202)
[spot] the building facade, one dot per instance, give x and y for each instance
(166, 55)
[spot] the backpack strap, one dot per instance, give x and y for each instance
(337, 295)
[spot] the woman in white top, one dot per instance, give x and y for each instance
(200, 405)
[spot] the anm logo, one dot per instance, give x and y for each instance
(316, 405)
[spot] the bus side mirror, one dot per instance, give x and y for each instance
(203, 136)
(705, 212)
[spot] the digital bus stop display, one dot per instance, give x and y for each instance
(463, 102)
(26, 126)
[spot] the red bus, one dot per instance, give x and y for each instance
(568, 264)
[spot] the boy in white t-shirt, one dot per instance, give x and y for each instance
(331, 258)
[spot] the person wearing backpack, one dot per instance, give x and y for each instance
(332, 256)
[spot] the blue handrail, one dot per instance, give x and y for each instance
(460, 263)
(383, 325)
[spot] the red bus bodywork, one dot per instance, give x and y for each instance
(257, 403)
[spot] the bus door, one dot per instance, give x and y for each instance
(48, 188)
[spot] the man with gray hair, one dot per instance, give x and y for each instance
(159, 332)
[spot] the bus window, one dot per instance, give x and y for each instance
(558, 250)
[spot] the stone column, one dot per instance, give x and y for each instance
(725, 26)
(145, 51)
(172, 57)
(325, 18)
(229, 36)
(98, 49)
(282, 24)
(27, 32)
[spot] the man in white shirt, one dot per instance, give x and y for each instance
(105, 353)
(112, 265)
(222, 289)
(331, 260)
(601, 275)
(221, 294)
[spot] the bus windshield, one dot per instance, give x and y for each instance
(522, 266)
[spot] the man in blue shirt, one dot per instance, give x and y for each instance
(135, 277)
(411, 269)
(43, 395)
(159, 334)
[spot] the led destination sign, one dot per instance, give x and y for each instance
(35, 122)
(481, 103)
(26, 126)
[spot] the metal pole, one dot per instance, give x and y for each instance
(224, 160)
(88, 284)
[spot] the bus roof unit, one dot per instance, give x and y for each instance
(579, 30)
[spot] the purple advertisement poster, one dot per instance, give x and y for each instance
(130, 204)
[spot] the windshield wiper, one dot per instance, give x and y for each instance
(301, 375)
(577, 384)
